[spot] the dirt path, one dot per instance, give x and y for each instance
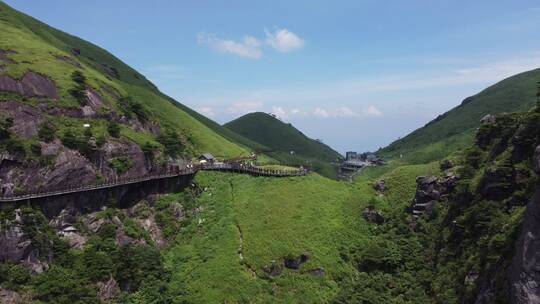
(240, 251)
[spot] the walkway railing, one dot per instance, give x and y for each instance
(190, 169)
(97, 185)
(242, 168)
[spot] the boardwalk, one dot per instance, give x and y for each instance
(188, 170)
(241, 168)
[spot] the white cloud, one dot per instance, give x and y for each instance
(244, 107)
(334, 113)
(372, 111)
(248, 48)
(281, 112)
(283, 40)
(320, 113)
(206, 111)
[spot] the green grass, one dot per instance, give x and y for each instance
(454, 129)
(278, 218)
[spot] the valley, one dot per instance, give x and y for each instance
(113, 192)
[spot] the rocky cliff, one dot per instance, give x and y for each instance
(525, 268)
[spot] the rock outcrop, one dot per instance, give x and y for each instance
(295, 262)
(25, 117)
(10, 297)
(429, 191)
(380, 186)
(94, 101)
(373, 215)
(488, 119)
(5, 58)
(108, 290)
(273, 269)
(65, 224)
(31, 85)
(16, 246)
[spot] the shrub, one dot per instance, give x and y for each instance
(5, 124)
(13, 276)
(80, 143)
(121, 164)
(172, 143)
(15, 146)
(148, 149)
(78, 92)
(35, 148)
(100, 140)
(46, 132)
(114, 129)
(130, 106)
(137, 263)
(60, 285)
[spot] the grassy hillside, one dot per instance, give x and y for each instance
(55, 54)
(281, 138)
(455, 129)
(248, 223)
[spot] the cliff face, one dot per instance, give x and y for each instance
(525, 268)
(482, 240)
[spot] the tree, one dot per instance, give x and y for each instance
(78, 92)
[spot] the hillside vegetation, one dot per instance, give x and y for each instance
(278, 139)
(455, 129)
(55, 54)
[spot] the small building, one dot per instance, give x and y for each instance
(206, 158)
(351, 155)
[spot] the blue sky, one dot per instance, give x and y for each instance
(356, 74)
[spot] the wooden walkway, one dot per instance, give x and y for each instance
(241, 168)
(189, 170)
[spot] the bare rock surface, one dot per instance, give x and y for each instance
(119, 148)
(26, 118)
(5, 58)
(65, 225)
(70, 169)
(16, 246)
(94, 102)
(108, 290)
(525, 268)
(10, 297)
(295, 262)
(31, 85)
(429, 191)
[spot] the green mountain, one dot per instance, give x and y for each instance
(460, 230)
(284, 142)
(455, 129)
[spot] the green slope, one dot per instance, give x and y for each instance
(281, 138)
(454, 129)
(266, 220)
(38, 47)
